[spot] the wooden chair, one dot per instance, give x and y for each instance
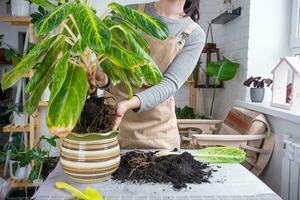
(258, 142)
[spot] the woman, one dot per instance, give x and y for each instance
(148, 119)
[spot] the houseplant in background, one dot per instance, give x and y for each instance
(257, 91)
(64, 61)
(224, 70)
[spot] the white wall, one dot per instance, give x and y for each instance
(269, 37)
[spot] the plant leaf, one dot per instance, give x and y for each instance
(221, 155)
(60, 75)
(27, 63)
(34, 98)
(124, 58)
(44, 3)
(45, 65)
(54, 19)
(222, 71)
(92, 30)
(65, 107)
(75, 192)
(144, 22)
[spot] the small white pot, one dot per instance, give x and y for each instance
(21, 173)
(20, 7)
(20, 119)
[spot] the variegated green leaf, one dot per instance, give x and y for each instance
(79, 47)
(54, 18)
(117, 75)
(44, 3)
(92, 30)
(124, 58)
(144, 22)
(27, 63)
(60, 75)
(151, 72)
(34, 97)
(109, 70)
(45, 65)
(135, 76)
(65, 108)
(112, 21)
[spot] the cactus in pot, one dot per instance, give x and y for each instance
(85, 42)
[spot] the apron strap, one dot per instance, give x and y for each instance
(185, 34)
(141, 7)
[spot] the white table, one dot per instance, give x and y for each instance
(231, 181)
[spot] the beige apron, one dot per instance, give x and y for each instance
(155, 128)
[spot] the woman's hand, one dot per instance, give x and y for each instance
(123, 107)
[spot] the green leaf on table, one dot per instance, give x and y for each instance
(221, 155)
(54, 19)
(66, 105)
(142, 21)
(92, 30)
(222, 71)
(27, 63)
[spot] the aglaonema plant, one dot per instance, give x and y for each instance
(85, 42)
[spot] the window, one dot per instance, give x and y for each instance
(295, 27)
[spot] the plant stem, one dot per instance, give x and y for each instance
(213, 99)
(69, 30)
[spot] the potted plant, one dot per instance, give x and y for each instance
(224, 70)
(257, 91)
(29, 164)
(84, 43)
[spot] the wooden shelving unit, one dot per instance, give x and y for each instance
(15, 128)
(17, 21)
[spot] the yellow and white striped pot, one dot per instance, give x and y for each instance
(91, 157)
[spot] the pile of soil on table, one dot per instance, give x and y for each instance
(97, 116)
(145, 167)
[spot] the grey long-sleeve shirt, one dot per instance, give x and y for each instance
(182, 66)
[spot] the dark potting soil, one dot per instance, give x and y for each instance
(145, 167)
(97, 116)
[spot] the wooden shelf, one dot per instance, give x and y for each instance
(14, 20)
(15, 128)
(43, 103)
(19, 183)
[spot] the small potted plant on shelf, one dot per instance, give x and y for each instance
(85, 42)
(28, 164)
(257, 91)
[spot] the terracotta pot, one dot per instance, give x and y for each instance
(91, 157)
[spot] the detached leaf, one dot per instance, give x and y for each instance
(66, 106)
(144, 22)
(54, 19)
(92, 30)
(27, 63)
(221, 155)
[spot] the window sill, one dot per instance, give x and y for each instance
(267, 109)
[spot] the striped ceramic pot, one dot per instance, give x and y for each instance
(91, 157)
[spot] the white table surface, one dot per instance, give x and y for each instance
(231, 181)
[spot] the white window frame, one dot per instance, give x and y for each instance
(295, 29)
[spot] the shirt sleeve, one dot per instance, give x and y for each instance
(177, 73)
